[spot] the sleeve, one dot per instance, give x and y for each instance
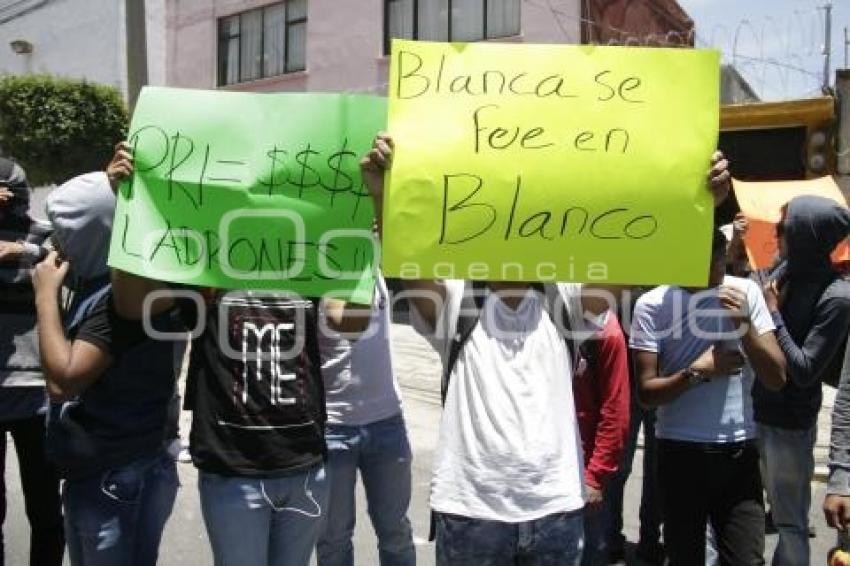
(643, 335)
(33, 253)
(582, 327)
(612, 375)
(839, 442)
(96, 328)
(109, 332)
(759, 315)
(806, 363)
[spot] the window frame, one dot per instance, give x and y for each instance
(221, 75)
(485, 34)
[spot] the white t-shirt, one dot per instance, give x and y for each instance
(509, 447)
(360, 386)
(679, 327)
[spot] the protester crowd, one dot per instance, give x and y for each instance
(545, 387)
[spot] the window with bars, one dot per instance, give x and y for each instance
(450, 20)
(261, 43)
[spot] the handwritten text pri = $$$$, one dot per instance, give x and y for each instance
(307, 172)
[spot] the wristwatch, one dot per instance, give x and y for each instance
(695, 377)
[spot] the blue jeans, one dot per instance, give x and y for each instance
(117, 517)
(789, 465)
(263, 522)
(553, 540)
(381, 452)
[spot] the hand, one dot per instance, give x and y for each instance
(716, 363)
(121, 166)
(6, 195)
(594, 498)
(838, 557)
(771, 296)
(10, 250)
(376, 163)
(48, 275)
(719, 178)
(836, 509)
(740, 226)
(735, 302)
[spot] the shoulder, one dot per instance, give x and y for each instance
(836, 296)
(612, 332)
(653, 299)
(838, 289)
(748, 286)
(454, 287)
(570, 290)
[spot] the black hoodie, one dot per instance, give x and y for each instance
(20, 366)
(814, 318)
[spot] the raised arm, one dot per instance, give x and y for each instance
(130, 291)
(807, 361)
(70, 367)
(426, 296)
(346, 318)
(758, 341)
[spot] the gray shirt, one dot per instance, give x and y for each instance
(360, 386)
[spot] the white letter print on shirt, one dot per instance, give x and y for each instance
(276, 374)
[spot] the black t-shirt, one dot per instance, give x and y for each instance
(124, 415)
(255, 386)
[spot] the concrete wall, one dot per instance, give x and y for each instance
(72, 38)
(344, 42)
(83, 39)
(156, 31)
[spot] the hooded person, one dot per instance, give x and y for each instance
(81, 213)
(810, 304)
(22, 387)
(110, 385)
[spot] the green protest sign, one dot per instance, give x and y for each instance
(250, 191)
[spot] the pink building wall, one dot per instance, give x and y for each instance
(344, 42)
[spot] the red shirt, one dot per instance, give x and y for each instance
(603, 397)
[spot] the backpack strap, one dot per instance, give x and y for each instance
(470, 312)
(84, 307)
(559, 314)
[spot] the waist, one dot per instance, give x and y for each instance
(712, 447)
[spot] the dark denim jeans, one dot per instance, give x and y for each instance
(789, 463)
(554, 540)
(117, 517)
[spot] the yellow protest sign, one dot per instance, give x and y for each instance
(550, 162)
(762, 202)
